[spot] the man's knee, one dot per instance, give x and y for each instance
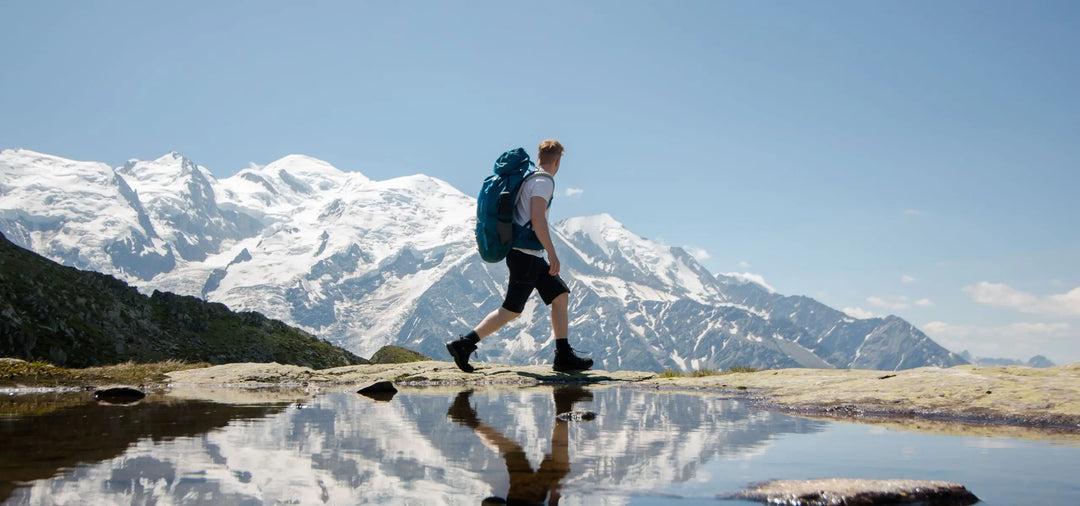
(563, 299)
(507, 315)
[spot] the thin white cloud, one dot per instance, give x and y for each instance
(748, 277)
(1021, 340)
(907, 280)
(744, 264)
(913, 212)
(1065, 305)
(897, 303)
(699, 253)
(858, 312)
(574, 192)
(254, 166)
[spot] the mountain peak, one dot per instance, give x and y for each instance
(306, 174)
(745, 278)
(31, 156)
(303, 164)
(163, 170)
(596, 226)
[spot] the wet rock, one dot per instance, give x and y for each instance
(857, 492)
(119, 395)
(378, 390)
(577, 416)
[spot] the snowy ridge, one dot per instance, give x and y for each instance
(61, 208)
(606, 246)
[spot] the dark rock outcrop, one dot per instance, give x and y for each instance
(76, 318)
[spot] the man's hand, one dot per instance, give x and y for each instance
(553, 261)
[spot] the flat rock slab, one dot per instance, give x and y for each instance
(413, 373)
(856, 492)
(1047, 397)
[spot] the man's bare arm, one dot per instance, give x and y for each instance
(538, 208)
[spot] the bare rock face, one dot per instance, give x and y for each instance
(856, 492)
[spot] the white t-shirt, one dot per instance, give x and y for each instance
(542, 187)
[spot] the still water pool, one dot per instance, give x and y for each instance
(450, 446)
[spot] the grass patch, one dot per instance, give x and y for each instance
(396, 355)
(743, 368)
(701, 373)
(43, 374)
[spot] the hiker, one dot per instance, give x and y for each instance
(529, 270)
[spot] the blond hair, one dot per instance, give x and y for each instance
(550, 150)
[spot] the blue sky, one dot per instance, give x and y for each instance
(910, 158)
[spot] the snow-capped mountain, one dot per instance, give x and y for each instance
(366, 263)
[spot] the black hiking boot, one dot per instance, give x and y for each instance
(460, 349)
(566, 396)
(566, 361)
(462, 412)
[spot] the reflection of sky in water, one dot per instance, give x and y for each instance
(1000, 471)
(644, 447)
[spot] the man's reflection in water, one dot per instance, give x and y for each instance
(527, 486)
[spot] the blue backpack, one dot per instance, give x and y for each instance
(496, 232)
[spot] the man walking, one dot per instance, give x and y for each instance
(529, 270)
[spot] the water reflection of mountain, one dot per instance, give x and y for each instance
(84, 433)
(343, 448)
(642, 440)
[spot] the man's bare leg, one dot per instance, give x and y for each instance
(560, 318)
(495, 321)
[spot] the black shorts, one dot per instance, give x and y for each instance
(528, 272)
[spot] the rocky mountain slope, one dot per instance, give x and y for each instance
(366, 263)
(77, 319)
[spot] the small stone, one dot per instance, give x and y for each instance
(377, 386)
(119, 395)
(378, 390)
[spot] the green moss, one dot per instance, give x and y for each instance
(396, 355)
(43, 374)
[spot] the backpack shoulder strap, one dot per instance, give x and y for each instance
(535, 174)
(532, 175)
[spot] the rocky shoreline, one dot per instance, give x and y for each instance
(1011, 401)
